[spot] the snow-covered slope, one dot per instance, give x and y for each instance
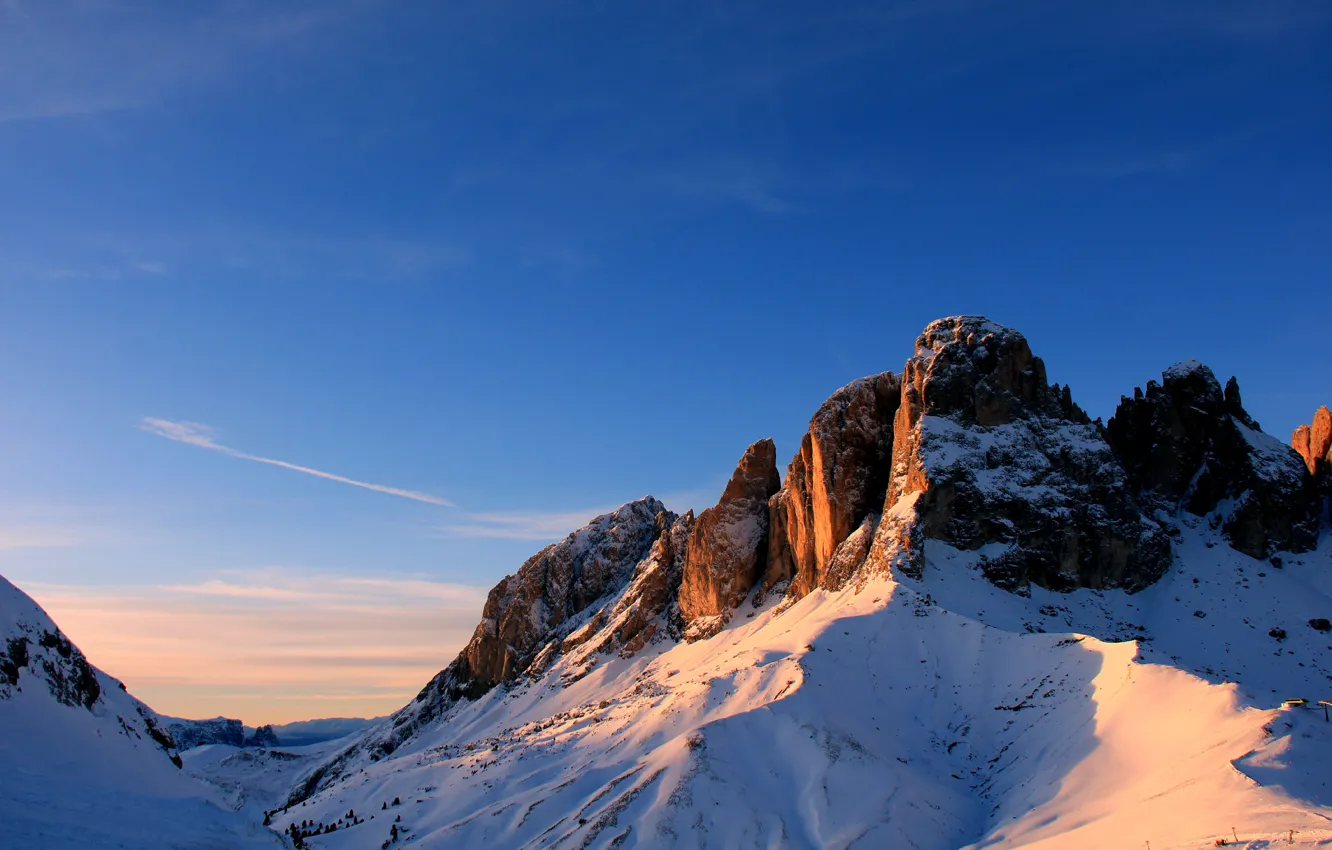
(938, 713)
(968, 617)
(977, 619)
(82, 762)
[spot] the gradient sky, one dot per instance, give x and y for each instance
(510, 263)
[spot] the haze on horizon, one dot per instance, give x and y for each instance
(320, 317)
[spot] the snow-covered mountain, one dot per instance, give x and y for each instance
(85, 764)
(303, 733)
(231, 732)
(968, 617)
(189, 734)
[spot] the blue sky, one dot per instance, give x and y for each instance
(537, 259)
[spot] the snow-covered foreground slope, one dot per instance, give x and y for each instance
(84, 764)
(941, 713)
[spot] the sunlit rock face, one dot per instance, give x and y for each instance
(986, 454)
(728, 544)
(1313, 443)
(1189, 445)
(836, 480)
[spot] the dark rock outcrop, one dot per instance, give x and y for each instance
(647, 610)
(729, 542)
(525, 611)
(264, 736)
(834, 482)
(1189, 445)
(196, 733)
(977, 372)
(985, 452)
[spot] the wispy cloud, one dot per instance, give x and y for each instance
(556, 524)
(270, 645)
(523, 525)
(196, 434)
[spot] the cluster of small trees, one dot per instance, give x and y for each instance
(305, 829)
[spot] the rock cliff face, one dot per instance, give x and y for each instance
(647, 610)
(728, 544)
(525, 611)
(1313, 443)
(1189, 445)
(972, 447)
(196, 733)
(834, 483)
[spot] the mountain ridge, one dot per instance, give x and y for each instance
(968, 616)
(970, 449)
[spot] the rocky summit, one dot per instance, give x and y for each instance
(1188, 445)
(987, 454)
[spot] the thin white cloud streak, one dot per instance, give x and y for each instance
(523, 525)
(555, 525)
(269, 645)
(197, 434)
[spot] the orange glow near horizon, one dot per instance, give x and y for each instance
(268, 647)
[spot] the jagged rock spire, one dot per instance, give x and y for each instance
(1314, 443)
(1189, 445)
(836, 480)
(728, 544)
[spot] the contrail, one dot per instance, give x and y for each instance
(197, 434)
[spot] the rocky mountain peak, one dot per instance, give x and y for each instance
(973, 370)
(1314, 443)
(527, 610)
(987, 454)
(1189, 445)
